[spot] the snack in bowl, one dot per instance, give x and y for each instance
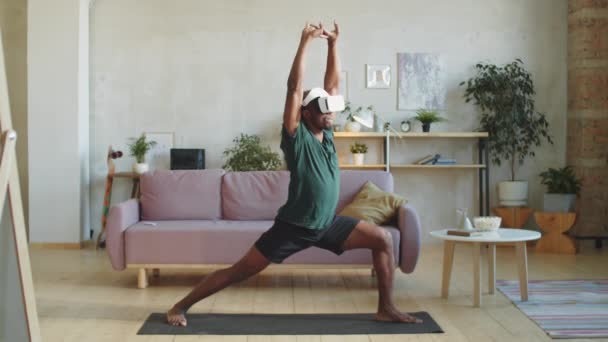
(487, 223)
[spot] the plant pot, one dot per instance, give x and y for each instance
(559, 202)
(426, 127)
(140, 168)
(352, 126)
(358, 158)
(513, 194)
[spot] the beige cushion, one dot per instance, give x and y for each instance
(373, 205)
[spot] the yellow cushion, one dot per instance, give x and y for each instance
(373, 205)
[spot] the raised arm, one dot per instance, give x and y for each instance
(333, 68)
(293, 100)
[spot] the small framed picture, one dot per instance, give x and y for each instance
(160, 153)
(378, 76)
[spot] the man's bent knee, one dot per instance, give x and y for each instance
(387, 240)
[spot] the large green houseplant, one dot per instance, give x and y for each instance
(562, 188)
(248, 154)
(138, 148)
(505, 97)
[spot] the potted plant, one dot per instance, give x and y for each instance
(248, 154)
(138, 147)
(427, 117)
(505, 96)
(358, 150)
(562, 188)
(351, 125)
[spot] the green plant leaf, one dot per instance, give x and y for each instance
(249, 155)
(138, 147)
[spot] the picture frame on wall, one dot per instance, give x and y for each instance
(160, 154)
(378, 76)
(421, 81)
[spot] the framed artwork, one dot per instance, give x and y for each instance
(159, 157)
(422, 81)
(378, 76)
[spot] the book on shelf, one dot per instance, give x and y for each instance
(444, 161)
(461, 232)
(428, 159)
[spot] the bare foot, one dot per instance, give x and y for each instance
(396, 316)
(176, 317)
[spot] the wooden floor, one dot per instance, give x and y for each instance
(80, 297)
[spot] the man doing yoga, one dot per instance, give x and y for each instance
(308, 217)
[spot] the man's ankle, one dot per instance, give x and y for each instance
(177, 308)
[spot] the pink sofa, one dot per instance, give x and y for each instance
(212, 217)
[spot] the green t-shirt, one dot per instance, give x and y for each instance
(314, 183)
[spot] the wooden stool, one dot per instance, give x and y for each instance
(513, 217)
(554, 225)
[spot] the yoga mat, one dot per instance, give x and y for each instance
(286, 324)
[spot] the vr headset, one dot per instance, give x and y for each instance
(327, 103)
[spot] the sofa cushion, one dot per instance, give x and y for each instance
(351, 182)
(374, 205)
(254, 195)
(219, 242)
(181, 195)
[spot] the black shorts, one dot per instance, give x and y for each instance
(284, 239)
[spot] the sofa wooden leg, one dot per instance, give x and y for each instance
(142, 278)
(156, 272)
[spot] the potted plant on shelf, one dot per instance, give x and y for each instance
(248, 154)
(505, 96)
(138, 147)
(562, 188)
(427, 117)
(351, 125)
(358, 150)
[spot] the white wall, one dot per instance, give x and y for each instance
(58, 137)
(211, 70)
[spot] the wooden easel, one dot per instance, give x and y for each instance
(9, 186)
(108, 192)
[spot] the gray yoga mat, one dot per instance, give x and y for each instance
(286, 324)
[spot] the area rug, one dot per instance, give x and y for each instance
(563, 308)
(286, 324)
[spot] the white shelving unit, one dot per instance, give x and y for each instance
(480, 165)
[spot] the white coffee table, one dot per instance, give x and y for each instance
(518, 237)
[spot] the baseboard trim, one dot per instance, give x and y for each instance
(62, 245)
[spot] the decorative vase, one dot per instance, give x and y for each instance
(426, 127)
(513, 194)
(140, 168)
(352, 126)
(464, 223)
(559, 202)
(358, 158)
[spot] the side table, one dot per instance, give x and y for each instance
(554, 225)
(518, 237)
